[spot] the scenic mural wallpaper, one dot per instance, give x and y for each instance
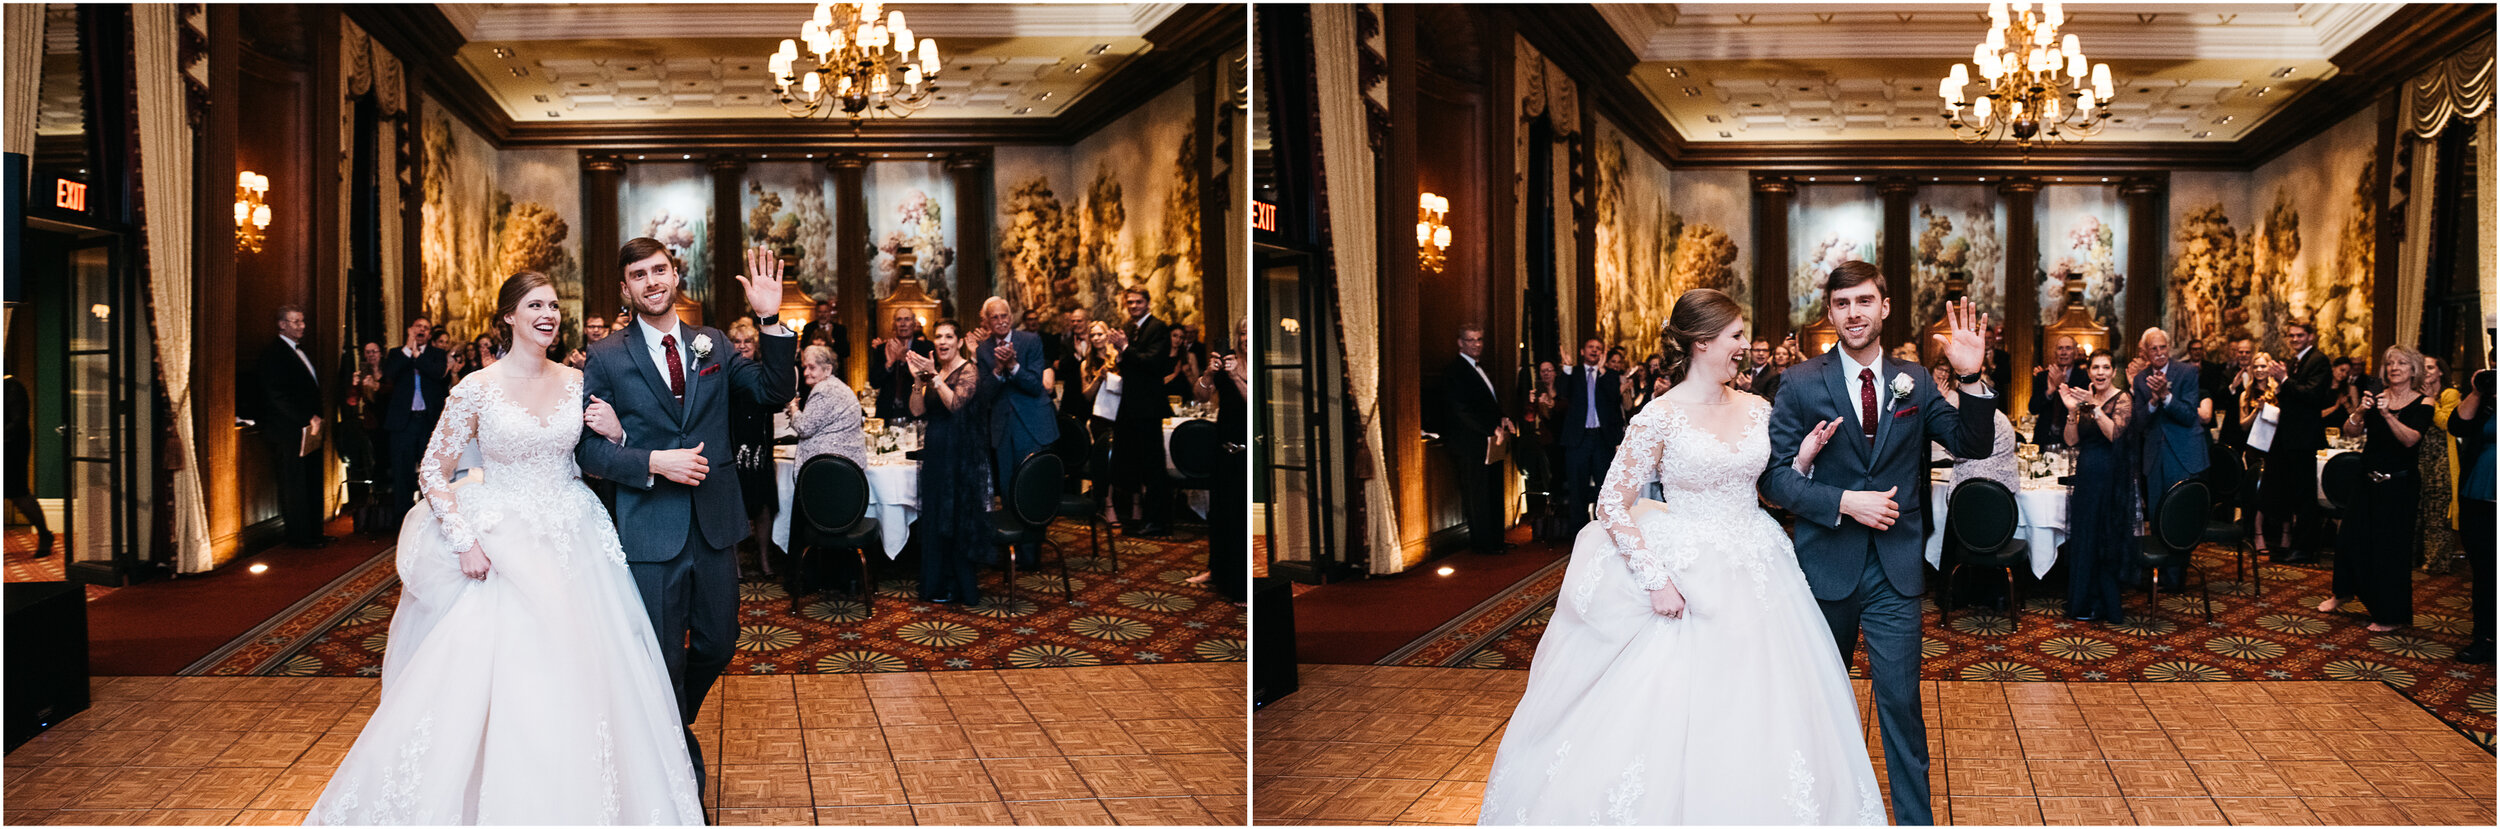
(486, 215)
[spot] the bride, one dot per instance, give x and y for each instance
(522, 683)
(1643, 708)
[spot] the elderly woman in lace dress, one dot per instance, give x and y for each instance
(830, 421)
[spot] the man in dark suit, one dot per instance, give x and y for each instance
(2306, 388)
(1588, 408)
(1144, 345)
(679, 511)
(2047, 408)
(889, 366)
(1471, 414)
(2223, 390)
(828, 325)
(1758, 364)
(1021, 418)
(415, 380)
(290, 407)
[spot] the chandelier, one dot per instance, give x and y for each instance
(2035, 84)
(251, 210)
(864, 60)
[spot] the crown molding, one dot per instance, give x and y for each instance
(1952, 158)
(2370, 67)
(522, 22)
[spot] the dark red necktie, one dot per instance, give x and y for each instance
(1866, 402)
(677, 369)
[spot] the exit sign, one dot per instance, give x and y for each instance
(1263, 216)
(69, 195)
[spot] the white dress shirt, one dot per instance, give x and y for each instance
(659, 355)
(1883, 387)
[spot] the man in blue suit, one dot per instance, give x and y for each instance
(2170, 435)
(1021, 418)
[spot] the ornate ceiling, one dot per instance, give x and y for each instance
(1771, 72)
(549, 63)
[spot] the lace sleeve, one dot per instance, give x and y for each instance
(442, 454)
(1635, 461)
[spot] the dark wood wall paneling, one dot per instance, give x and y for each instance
(1450, 107)
(277, 97)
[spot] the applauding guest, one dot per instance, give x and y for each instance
(2097, 504)
(954, 470)
(889, 367)
(2374, 557)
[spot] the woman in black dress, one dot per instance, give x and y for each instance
(954, 470)
(2096, 504)
(2374, 555)
(1227, 383)
(751, 439)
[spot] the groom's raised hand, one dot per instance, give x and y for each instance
(1874, 509)
(764, 288)
(1967, 349)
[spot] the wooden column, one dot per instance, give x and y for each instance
(1401, 346)
(2385, 274)
(1900, 242)
(601, 273)
(850, 257)
(729, 237)
(1770, 255)
(2148, 239)
(971, 175)
(1214, 289)
(213, 357)
(2022, 289)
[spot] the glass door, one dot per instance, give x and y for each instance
(98, 408)
(1302, 440)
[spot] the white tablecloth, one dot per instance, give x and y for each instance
(1198, 498)
(2042, 522)
(894, 497)
(2323, 456)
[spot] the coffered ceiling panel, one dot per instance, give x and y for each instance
(1766, 72)
(592, 62)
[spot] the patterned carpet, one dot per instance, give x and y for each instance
(22, 565)
(2279, 636)
(1142, 614)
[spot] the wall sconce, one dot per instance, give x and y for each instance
(1432, 236)
(251, 212)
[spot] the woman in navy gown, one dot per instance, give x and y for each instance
(2096, 505)
(954, 471)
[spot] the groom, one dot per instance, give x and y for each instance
(1860, 553)
(665, 387)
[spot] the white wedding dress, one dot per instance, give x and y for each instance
(535, 695)
(1738, 713)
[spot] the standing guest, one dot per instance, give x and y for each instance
(1070, 333)
(416, 378)
(487, 352)
(1758, 365)
(1144, 345)
(1189, 362)
(19, 450)
(594, 329)
(2439, 470)
(2168, 433)
(2374, 558)
(955, 470)
(290, 418)
(2000, 364)
(2096, 505)
(827, 417)
(1101, 363)
(828, 325)
(751, 439)
(1472, 417)
(2048, 392)
(1768, 388)
(1589, 421)
(1536, 456)
(1071, 354)
(2347, 388)
(2473, 425)
(889, 366)
(2256, 390)
(2304, 392)
(2224, 384)
(1228, 382)
(359, 422)
(1016, 396)
(619, 320)
(1650, 382)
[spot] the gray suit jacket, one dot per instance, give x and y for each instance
(1831, 547)
(653, 513)
(1020, 408)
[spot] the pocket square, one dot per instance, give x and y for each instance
(708, 370)
(1906, 412)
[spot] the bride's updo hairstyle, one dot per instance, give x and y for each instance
(508, 300)
(1700, 314)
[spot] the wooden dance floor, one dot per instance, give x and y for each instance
(1369, 745)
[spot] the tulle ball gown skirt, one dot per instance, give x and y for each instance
(534, 696)
(1738, 713)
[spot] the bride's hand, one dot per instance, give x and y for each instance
(473, 562)
(601, 418)
(1813, 444)
(1667, 601)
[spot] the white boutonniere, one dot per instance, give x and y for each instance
(702, 346)
(1901, 387)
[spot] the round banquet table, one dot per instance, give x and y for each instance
(2042, 505)
(894, 496)
(2323, 456)
(1199, 499)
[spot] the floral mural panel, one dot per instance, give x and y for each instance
(2315, 247)
(538, 213)
(1037, 239)
(1649, 249)
(1133, 191)
(1828, 225)
(456, 224)
(1958, 233)
(672, 203)
(1714, 249)
(786, 205)
(2081, 234)
(2211, 257)
(911, 205)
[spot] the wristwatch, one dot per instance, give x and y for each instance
(1967, 379)
(767, 320)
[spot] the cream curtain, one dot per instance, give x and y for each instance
(2486, 215)
(2413, 259)
(165, 147)
(24, 70)
(1345, 142)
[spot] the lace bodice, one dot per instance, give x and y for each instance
(1706, 481)
(528, 457)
